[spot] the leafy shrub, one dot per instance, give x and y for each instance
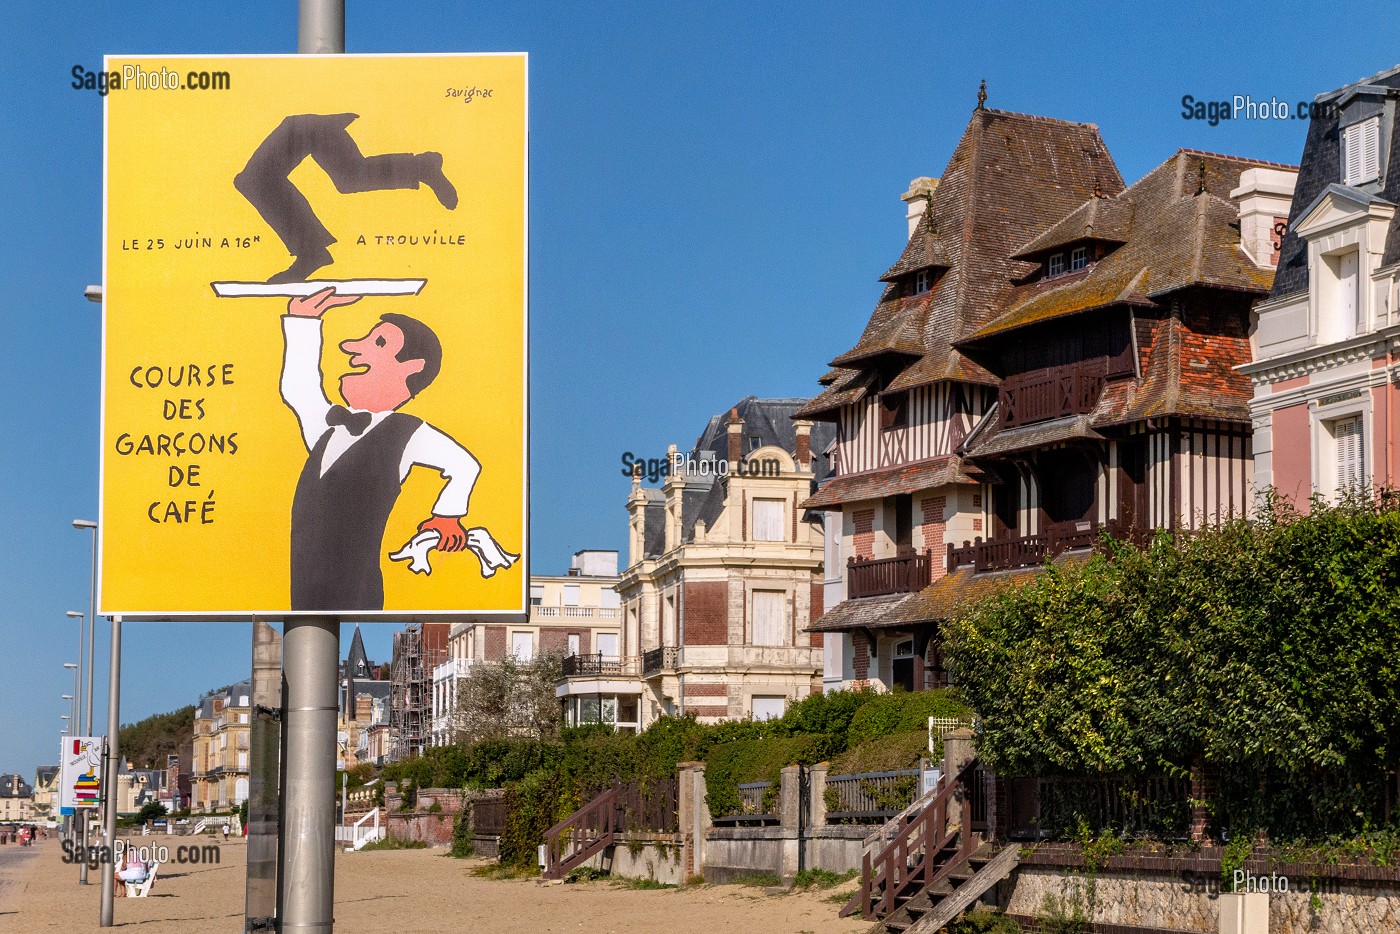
(756, 760)
(896, 751)
(983, 922)
(463, 841)
(1264, 649)
(901, 712)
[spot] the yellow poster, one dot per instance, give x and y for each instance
(315, 337)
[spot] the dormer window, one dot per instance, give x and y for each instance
(1361, 152)
(1056, 265)
(1078, 258)
(919, 283)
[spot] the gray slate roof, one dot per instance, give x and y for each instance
(1321, 166)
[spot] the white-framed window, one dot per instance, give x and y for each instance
(536, 594)
(1349, 441)
(522, 645)
(768, 612)
(608, 599)
(607, 644)
(1361, 152)
(921, 281)
(1078, 258)
(1056, 265)
(573, 643)
(768, 520)
(571, 594)
(768, 706)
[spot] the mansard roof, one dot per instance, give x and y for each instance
(1178, 228)
(1010, 178)
(1321, 166)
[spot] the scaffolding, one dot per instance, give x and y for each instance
(417, 650)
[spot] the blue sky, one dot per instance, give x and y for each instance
(714, 192)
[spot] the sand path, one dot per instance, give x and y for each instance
(404, 892)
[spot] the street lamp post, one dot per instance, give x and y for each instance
(79, 728)
(70, 823)
(92, 614)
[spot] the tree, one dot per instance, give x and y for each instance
(151, 810)
(509, 698)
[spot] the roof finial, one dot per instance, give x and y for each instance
(982, 95)
(1201, 177)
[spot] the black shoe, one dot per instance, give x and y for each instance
(303, 267)
(430, 174)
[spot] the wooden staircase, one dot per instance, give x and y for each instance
(935, 866)
(582, 835)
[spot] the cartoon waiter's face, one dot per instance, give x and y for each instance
(379, 380)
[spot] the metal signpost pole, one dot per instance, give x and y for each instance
(113, 761)
(311, 649)
(311, 652)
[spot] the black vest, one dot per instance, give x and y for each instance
(338, 519)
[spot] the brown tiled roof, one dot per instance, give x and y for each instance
(1009, 179)
(865, 613)
(847, 386)
(1038, 435)
(1176, 238)
(925, 250)
(951, 593)
(1099, 218)
(909, 478)
(1188, 371)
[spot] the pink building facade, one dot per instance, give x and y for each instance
(1326, 367)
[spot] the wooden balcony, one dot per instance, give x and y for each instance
(875, 577)
(1004, 554)
(1056, 392)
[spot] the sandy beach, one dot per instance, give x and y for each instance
(402, 891)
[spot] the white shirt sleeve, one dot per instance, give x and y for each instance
(303, 388)
(428, 447)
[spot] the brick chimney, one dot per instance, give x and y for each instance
(1263, 198)
(918, 196)
(736, 437)
(803, 452)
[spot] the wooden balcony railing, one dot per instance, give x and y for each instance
(1003, 554)
(874, 577)
(1056, 392)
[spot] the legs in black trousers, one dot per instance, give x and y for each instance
(264, 182)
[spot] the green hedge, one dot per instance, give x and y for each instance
(885, 754)
(901, 712)
(1265, 649)
(732, 764)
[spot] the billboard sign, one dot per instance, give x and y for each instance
(80, 771)
(314, 341)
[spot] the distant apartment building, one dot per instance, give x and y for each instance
(360, 688)
(1053, 360)
(16, 799)
(219, 770)
(723, 578)
(1326, 367)
(573, 614)
(46, 792)
(138, 787)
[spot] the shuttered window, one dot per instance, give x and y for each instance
(768, 520)
(769, 617)
(1361, 152)
(1351, 454)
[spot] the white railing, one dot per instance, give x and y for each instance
(200, 827)
(574, 612)
(357, 835)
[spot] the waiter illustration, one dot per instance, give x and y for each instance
(359, 455)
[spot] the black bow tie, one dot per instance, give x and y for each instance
(354, 422)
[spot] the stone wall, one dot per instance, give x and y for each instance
(428, 821)
(1184, 893)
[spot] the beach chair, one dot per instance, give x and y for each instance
(142, 889)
